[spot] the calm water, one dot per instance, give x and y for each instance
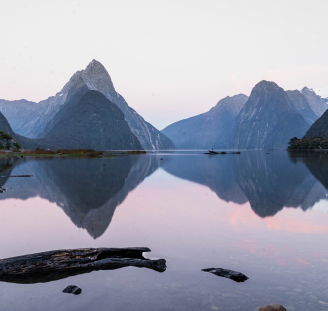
(265, 215)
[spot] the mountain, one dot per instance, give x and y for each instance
(23, 141)
(210, 129)
(74, 95)
(34, 119)
(318, 104)
(268, 119)
(19, 114)
(319, 127)
(302, 106)
(90, 120)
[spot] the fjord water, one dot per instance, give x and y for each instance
(262, 213)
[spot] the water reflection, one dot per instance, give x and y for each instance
(88, 190)
(269, 182)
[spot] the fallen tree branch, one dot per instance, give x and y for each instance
(59, 264)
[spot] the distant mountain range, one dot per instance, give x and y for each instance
(83, 115)
(210, 129)
(268, 119)
(36, 120)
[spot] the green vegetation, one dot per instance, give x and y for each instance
(7, 141)
(309, 142)
(315, 138)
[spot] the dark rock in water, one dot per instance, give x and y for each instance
(2, 189)
(72, 289)
(229, 274)
(234, 152)
(60, 264)
(272, 307)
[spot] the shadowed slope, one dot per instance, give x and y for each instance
(268, 119)
(91, 122)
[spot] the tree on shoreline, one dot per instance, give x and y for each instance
(6, 140)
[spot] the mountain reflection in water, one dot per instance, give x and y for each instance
(89, 190)
(269, 182)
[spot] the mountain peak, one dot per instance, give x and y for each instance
(265, 84)
(306, 89)
(95, 67)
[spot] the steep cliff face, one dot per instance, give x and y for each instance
(318, 104)
(92, 121)
(35, 119)
(23, 141)
(268, 119)
(319, 127)
(210, 129)
(302, 106)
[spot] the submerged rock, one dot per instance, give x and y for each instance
(2, 189)
(272, 307)
(72, 289)
(229, 274)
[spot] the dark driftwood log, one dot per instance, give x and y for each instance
(59, 264)
(18, 176)
(229, 274)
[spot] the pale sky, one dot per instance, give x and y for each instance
(170, 60)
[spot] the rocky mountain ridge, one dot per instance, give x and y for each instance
(318, 105)
(268, 120)
(34, 119)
